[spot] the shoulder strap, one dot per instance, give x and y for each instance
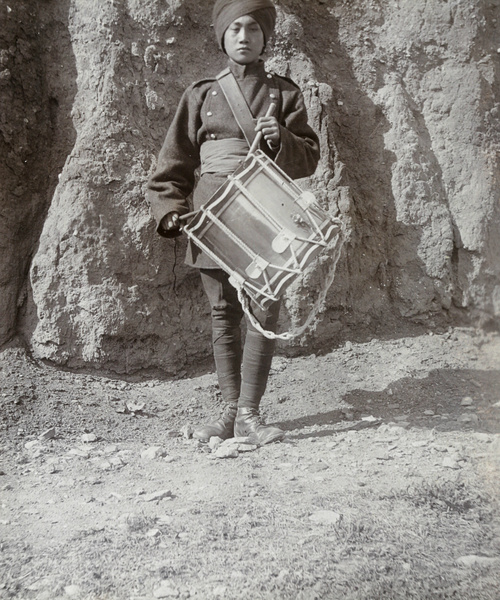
(238, 104)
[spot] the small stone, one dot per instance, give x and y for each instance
(370, 419)
(466, 418)
(165, 520)
(173, 433)
(440, 448)
(214, 442)
(79, 452)
(153, 452)
(467, 401)
(482, 437)
(246, 447)
(48, 434)
(325, 517)
(87, 438)
(428, 413)
(471, 560)
(166, 590)
(318, 467)
(51, 468)
(395, 430)
(105, 465)
(187, 432)
(237, 575)
(32, 444)
(72, 590)
(497, 404)
(135, 408)
(152, 533)
(348, 346)
(450, 462)
(227, 452)
(420, 443)
(156, 496)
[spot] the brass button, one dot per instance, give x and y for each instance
(213, 136)
(269, 76)
(209, 113)
(273, 96)
(214, 93)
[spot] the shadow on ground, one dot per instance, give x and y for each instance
(445, 400)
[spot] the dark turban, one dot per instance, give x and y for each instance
(227, 11)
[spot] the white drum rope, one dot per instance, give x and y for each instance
(319, 305)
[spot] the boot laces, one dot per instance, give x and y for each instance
(229, 412)
(256, 418)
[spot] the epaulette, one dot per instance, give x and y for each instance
(201, 81)
(287, 79)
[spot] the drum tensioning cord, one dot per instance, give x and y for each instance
(318, 306)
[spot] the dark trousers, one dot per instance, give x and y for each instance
(242, 369)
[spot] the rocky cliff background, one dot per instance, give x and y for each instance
(403, 93)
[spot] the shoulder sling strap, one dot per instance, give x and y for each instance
(238, 104)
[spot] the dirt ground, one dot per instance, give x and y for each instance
(385, 486)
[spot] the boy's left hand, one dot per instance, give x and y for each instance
(270, 130)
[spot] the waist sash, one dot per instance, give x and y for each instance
(223, 156)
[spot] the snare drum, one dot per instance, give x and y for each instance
(262, 229)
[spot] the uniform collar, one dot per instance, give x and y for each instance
(242, 71)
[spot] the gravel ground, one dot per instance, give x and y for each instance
(385, 486)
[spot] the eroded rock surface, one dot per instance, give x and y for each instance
(404, 96)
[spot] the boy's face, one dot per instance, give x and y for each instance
(244, 40)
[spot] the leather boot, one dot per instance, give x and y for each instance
(249, 424)
(223, 427)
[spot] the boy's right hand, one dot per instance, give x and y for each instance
(171, 221)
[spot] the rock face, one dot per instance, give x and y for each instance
(404, 97)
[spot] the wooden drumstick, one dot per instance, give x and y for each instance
(258, 137)
(188, 215)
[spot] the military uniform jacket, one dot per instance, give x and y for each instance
(203, 115)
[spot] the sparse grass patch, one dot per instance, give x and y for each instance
(455, 497)
(139, 523)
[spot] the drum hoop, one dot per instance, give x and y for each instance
(263, 159)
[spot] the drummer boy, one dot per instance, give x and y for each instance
(204, 134)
